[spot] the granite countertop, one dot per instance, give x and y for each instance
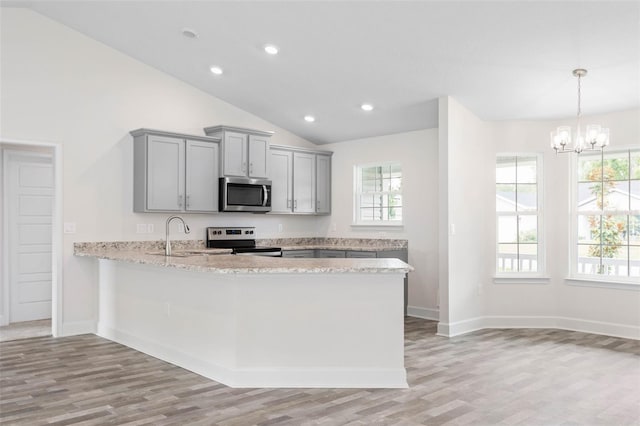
(222, 262)
(315, 243)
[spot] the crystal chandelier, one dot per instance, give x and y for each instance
(595, 138)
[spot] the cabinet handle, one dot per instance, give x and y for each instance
(244, 167)
(179, 200)
(251, 168)
(295, 204)
(288, 203)
(188, 196)
(317, 205)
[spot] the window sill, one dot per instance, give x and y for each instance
(594, 282)
(378, 225)
(519, 279)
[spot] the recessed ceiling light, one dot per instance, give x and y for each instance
(309, 118)
(271, 49)
(216, 70)
(189, 33)
(366, 107)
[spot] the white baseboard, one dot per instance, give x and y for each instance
(562, 323)
(264, 377)
(460, 327)
(424, 313)
(78, 327)
(600, 327)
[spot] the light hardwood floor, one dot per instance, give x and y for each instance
(25, 330)
(491, 377)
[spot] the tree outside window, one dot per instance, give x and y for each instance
(608, 212)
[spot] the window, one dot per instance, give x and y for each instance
(518, 214)
(378, 194)
(607, 212)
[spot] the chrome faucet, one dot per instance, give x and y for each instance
(167, 247)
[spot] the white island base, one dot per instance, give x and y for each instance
(334, 330)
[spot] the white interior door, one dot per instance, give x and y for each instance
(29, 198)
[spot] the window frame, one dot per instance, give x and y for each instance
(594, 280)
(357, 191)
(524, 277)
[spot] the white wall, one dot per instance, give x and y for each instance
(607, 310)
(60, 86)
(418, 153)
(469, 298)
(467, 156)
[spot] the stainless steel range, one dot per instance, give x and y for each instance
(241, 239)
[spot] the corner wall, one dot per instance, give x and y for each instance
(418, 153)
(560, 303)
(469, 297)
(466, 201)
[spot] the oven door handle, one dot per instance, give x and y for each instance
(265, 195)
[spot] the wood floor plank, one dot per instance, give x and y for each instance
(490, 377)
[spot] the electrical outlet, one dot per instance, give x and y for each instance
(150, 228)
(180, 227)
(334, 227)
(279, 227)
(69, 228)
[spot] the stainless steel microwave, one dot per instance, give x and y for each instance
(239, 194)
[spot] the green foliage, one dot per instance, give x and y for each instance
(605, 229)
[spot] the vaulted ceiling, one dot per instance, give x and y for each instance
(503, 60)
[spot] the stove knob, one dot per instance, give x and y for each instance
(251, 232)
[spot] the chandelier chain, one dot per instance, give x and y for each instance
(579, 94)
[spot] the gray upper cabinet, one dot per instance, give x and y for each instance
(174, 172)
(304, 188)
(202, 173)
(300, 179)
(245, 152)
(323, 184)
(281, 169)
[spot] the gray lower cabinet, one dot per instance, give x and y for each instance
(174, 172)
(298, 253)
(328, 254)
(361, 254)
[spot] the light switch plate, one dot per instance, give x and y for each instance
(150, 228)
(141, 228)
(69, 228)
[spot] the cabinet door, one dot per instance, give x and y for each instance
(304, 182)
(165, 173)
(298, 253)
(202, 176)
(330, 254)
(361, 254)
(323, 184)
(235, 154)
(258, 156)
(281, 169)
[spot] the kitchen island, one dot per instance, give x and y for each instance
(257, 321)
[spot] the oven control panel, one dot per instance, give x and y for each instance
(239, 233)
